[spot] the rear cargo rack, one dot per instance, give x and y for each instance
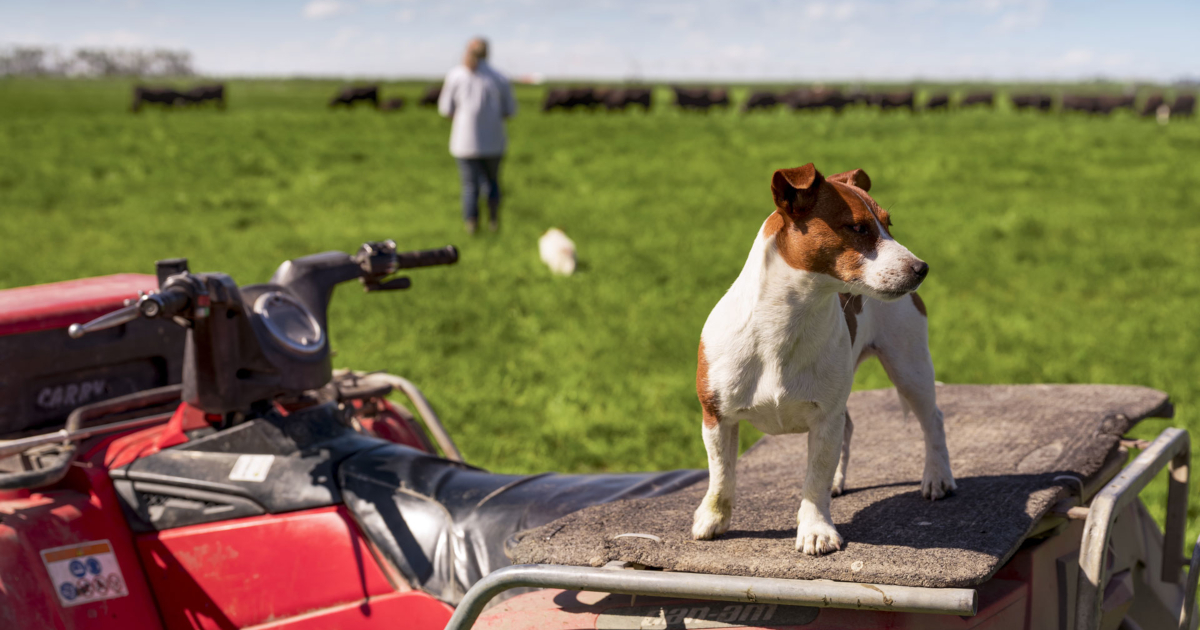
(1171, 450)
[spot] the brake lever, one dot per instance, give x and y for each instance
(397, 283)
(116, 318)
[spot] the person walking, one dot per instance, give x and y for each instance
(478, 99)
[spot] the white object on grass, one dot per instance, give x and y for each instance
(558, 251)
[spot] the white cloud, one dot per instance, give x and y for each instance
(321, 9)
(404, 16)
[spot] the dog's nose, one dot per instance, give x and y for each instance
(920, 269)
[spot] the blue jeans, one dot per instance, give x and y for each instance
(479, 173)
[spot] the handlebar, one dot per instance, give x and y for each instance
(164, 303)
(447, 255)
(372, 264)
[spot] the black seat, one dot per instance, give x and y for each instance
(444, 525)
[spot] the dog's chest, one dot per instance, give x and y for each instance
(780, 381)
(792, 399)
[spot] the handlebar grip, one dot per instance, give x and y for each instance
(447, 255)
(164, 304)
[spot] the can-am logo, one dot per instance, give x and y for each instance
(70, 395)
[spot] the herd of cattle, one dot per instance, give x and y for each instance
(171, 97)
(1184, 104)
(703, 99)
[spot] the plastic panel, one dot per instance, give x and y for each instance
(254, 570)
(57, 518)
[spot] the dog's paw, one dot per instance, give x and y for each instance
(711, 519)
(817, 537)
(937, 481)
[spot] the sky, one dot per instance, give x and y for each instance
(647, 39)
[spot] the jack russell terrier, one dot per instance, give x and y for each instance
(825, 287)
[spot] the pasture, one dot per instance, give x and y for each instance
(1063, 248)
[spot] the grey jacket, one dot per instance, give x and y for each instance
(478, 102)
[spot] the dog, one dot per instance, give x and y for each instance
(557, 251)
(825, 287)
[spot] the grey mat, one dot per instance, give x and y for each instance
(1007, 444)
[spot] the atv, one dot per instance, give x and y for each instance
(177, 452)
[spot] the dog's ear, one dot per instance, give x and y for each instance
(795, 189)
(857, 178)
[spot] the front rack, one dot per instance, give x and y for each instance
(1171, 450)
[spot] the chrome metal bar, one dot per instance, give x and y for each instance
(816, 593)
(1187, 616)
(1171, 445)
(1176, 522)
(428, 415)
(20, 445)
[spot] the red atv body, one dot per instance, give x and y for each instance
(304, 569)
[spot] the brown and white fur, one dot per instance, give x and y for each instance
(825, 287)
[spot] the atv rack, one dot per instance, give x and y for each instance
(1171, 450)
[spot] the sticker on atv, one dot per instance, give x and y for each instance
(251, 468)
(706, 615)
(84, 573)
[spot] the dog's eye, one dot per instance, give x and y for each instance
(856, 228)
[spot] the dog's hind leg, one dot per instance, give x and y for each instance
(904, 353)
(715, 511)
(839, 475)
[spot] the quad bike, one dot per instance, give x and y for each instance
(210, 470)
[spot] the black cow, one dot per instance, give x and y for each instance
(620, 98)
(1185, 105)
(1076, 103)
(893, 100)
(938, 101)
(1096, 104)
(816, 99)
(570, 98)
(168, 97)
(201, 93)
(351, 95)
(692, 98)
(430, 98)
(719, 98)
(392, 105)
(858, 96)
(1042, 102)
(1150, 107)
(978, 98)
(760, 100)
(1111, 103)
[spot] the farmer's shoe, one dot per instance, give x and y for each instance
(472, 226)
(494, 225)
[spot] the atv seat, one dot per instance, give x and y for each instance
(1015, 451)
(444, 524)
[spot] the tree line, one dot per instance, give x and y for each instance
(32, 61)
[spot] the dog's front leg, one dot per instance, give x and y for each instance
(815, 533)
(721, 442)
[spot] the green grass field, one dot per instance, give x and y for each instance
(1063, 248)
